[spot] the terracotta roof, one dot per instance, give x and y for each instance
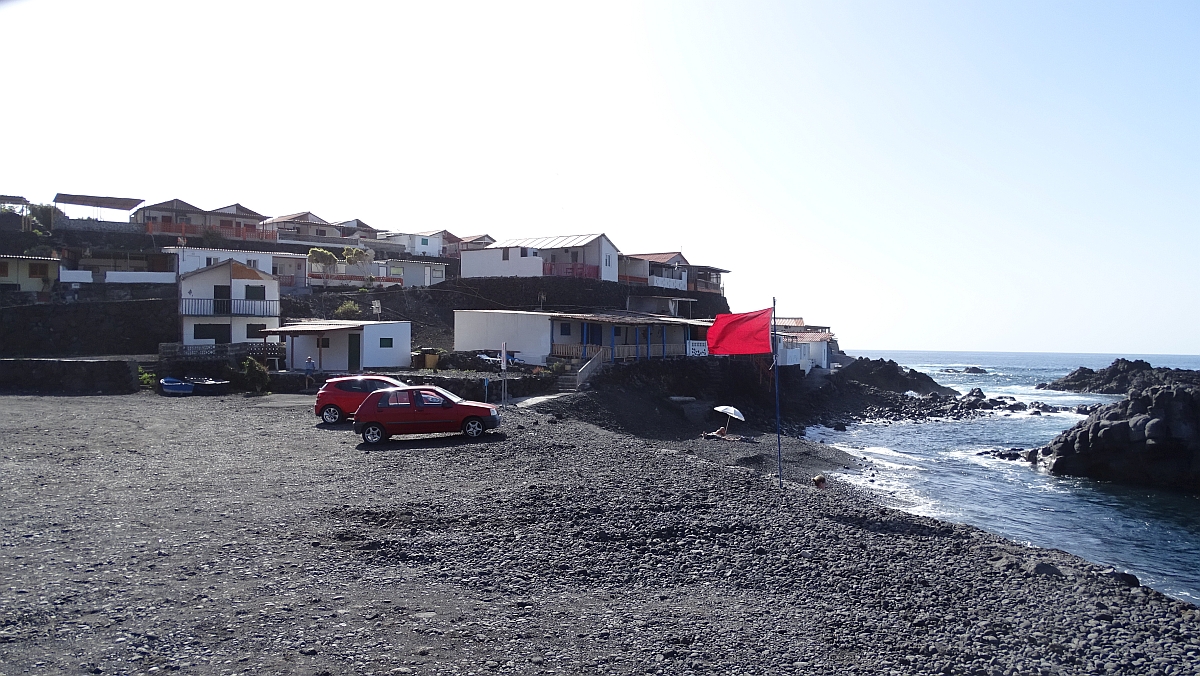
(174, 205)
(239, 270)
(666, 258)
(301, 217)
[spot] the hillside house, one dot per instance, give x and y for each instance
(616, 336)
(176, 217)
(469, 243)
(28, 273)
(586, 256)
(228, 302)
(347, 346)
(416, 244)
(290, 269)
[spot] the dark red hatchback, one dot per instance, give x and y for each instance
(421, 409)
(339, 398)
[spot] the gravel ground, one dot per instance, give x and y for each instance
(236, 535)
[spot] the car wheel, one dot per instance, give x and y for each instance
(473, 427)
(332, 414)
(374, 434)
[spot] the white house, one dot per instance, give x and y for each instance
(810, 349)
(347, 346)
(290, 269)
(586, 256)
(385, 273)
(228, 302)
(662, 270)
(417, 244)
(616, 335)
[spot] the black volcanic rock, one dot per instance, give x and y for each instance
(890, 376)
(975, 370)
(1122, 376)
(1152, 437)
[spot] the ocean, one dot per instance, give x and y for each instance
(933, 469)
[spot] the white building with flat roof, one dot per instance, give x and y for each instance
(586, 256)
(347, 346)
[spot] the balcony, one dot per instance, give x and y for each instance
(709, 287)
(667, 283)
(227, 307)
(187, 230)
(625, 352)
(581, 270)
(633, 279)
(321, 278)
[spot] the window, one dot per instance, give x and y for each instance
(322, 342)
(226, 224)
(608, 260)
(320, 233)
(252, 263)
(211, 261)
(255, 330)
(504, 254)
(564, 329)
(438, 273)
(256, 293)
(274, 269)
(219, 333)
(39, 270)
(427, 398)
(424, 241)
(524, 252)
(394, 400)
(385, 342)
(553, 258)
(3, 268)
(166, 218)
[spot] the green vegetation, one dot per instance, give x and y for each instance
(348, 310)
(256, 375)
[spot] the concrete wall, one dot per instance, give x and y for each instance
(397, 356)
(68, 376)
(608, 260)
(526, 334)
(92, 328)
(188, 259)
(491, 263)
(79, 276)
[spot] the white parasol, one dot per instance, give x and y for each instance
(730, 412)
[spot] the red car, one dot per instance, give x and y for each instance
(421, 409)
(339, 398)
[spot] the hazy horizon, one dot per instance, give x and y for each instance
(938, 176)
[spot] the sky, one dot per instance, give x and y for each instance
(1008, 176)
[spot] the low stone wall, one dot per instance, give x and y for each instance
(93, 225)
(83, 329)
(68, 376)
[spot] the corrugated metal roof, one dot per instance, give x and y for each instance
(556, 242)
(300, 217)
(278, 254)
(121, 203)
(322, 326)
(622, 317)
(12, 199)
(808, 337)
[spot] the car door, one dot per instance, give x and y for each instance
(396, 412)
(433, 415)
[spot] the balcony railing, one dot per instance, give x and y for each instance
(226, 307)
(234, 232)
(633, 279)
(667, 283)
(337, 277)
(711, 287)
(623, 352)
(286, 280)
(571, 270)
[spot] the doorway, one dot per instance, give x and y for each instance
(354, 353)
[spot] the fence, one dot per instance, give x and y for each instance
(571, 270)
(210, 307)
(233, 351)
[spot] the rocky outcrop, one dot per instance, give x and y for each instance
(1152, 438)
(1122, 376)
(890, 376)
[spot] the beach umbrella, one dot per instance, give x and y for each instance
(730, 413)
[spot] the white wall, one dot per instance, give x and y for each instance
(526, 333)
(118, 277)
(188, 259)
(237, 329)
(65, 275)
(608, 260)
(399, 355)
(491, 263)
(333, 358)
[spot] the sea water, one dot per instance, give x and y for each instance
(934, 469)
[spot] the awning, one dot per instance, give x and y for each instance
(317, 327)
(122, 203)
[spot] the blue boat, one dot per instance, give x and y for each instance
(208, 386)
(175, 387)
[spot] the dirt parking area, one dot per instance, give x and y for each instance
(231, 535)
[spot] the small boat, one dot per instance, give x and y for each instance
(208, 386)
(176, 387)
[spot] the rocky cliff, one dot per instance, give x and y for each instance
(890, 376)
(1152, 438)
(1122, 376)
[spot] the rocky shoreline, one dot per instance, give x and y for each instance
(234, 535)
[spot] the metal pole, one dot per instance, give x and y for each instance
(775, 366)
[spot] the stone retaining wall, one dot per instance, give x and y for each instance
(83, 329)
(68, 376)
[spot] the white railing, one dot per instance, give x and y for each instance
(576, 350)
(667, 283)
(594, 366)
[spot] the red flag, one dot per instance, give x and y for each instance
(746, 333)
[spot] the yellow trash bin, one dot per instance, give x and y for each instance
(431, 361)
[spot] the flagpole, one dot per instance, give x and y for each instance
(775, 364)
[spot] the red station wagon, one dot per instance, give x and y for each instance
(421, 410)
(339, 398)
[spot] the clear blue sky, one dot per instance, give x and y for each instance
(972, 176)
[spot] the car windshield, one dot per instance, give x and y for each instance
(449, 395)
